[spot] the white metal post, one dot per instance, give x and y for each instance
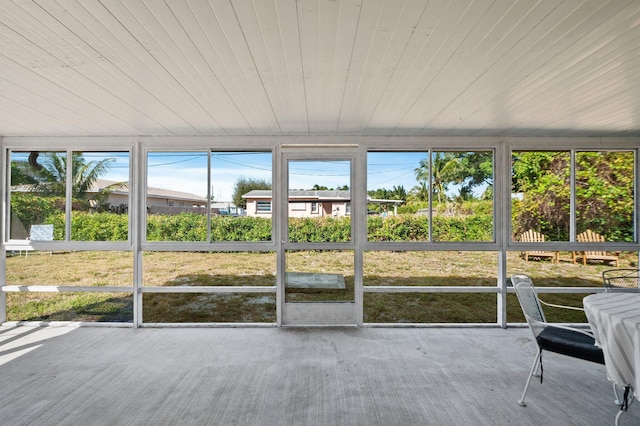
(137, 217)
(502, 223)
(4, 183)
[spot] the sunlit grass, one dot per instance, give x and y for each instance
(381, 268)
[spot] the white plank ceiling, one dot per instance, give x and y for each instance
(320, 67)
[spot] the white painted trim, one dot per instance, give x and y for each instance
(209, 289)
(282, 147)
(64, 289)
(431, 289)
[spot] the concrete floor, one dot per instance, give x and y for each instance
(292, 376)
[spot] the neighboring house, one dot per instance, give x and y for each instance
(155, 196)
(306, 203)
(119, 197)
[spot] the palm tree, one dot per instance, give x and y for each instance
(48, 177)
(445, 167)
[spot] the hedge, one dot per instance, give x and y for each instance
(87, 226)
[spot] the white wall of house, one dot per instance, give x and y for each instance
(255, 207)
(117, 199)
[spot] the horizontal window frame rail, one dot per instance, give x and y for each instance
(318, 246)
(15, 245)
(431, 325)
(208, 325)
(115, 324)
(430, 246)
(272, 289)
(562, 290)
(475, 289)
(208, 289)
(64, 289)
(231, 246)
(431, 289)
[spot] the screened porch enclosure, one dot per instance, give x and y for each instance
(277, 163)
(132, 249)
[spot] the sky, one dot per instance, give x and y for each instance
(187, 171)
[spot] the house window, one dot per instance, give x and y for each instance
(314, 207)
(347, 207)
(298, 206)
(263, 206)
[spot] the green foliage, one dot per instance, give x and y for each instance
(99, 227)
(240, 229)
(87, 226)
(604, 193)
(415, 228)
(244, 185)
(47, 176)
(193, 227)
(458, 228)
(413, 207)
(179, 227)
(398, 228)
(397, 193)
(325, 229)
(466, 169)
(32, 209)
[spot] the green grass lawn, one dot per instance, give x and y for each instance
(381, 268)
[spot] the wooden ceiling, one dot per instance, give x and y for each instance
(320, 67)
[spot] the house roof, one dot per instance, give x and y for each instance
(314, 195)
(300, 195)
(100, 184)
(327, 68)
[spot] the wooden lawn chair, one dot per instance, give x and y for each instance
(589, 236)
(532, 236)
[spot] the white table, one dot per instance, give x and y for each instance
(615, 321)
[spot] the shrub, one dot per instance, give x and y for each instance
(325, 229)
(91, 226)
(179, 227)
(32, 209)
(193, 227)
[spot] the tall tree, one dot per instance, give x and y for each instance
(446, 169)
(475, 169)
(244, 185)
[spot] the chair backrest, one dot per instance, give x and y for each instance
(589, 236)
(529, 303)
(532, 236)
(621, 279)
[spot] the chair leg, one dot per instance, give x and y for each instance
(628, 399)
(534, 368)
(615, 393)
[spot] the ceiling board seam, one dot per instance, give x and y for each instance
(133, 106)
(348, 73)
(161, 47)
(427, 66)
(149, 55)
(204, 61)
(498, 94)
(275, 115)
